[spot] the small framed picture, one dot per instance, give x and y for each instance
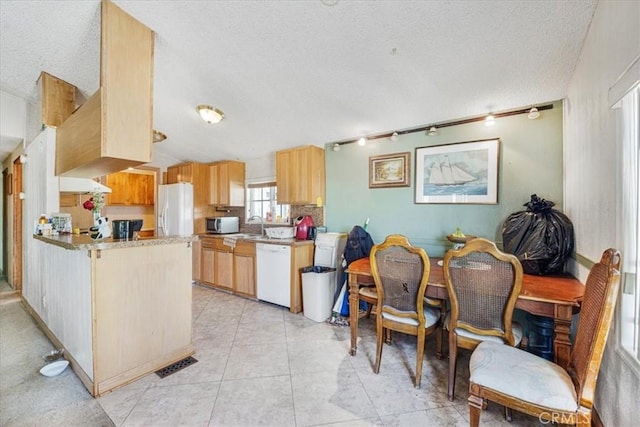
(389, 170)
(466, 172)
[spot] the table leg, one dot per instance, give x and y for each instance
(562, 332)
(354, 304)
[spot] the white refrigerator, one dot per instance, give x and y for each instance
(175, 209)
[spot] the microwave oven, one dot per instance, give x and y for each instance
(223, 225)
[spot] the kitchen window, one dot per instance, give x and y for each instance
(629, 125)
(262, 200)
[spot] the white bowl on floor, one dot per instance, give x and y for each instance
(54, 368)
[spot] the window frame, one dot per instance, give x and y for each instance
(628, 341)
(276, 213)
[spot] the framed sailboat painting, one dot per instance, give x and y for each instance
(466, 172)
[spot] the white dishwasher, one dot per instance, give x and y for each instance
(273, 263)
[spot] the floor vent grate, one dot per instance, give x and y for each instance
(175, 367)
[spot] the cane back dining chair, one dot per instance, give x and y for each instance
(483, 284)
(400, 272)
(536, 386)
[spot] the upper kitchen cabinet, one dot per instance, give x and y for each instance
(58, 99)
(129, 188)
(112, 130)
(198, 175)
(227, 183)
(300, 175)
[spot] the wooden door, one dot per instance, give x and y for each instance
(284, 173)
(172, 175)
(224, 269)
(148, 183)
(214, 196)
(235, 183)
(118, 182)
(16, 281)
(222, 184)
(300, 176)
(207, 272)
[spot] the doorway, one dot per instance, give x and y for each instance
(17, 225)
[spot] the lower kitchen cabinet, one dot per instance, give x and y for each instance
(235, 269)
(216, 264)
(244, 269)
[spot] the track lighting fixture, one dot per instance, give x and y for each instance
(489, 120)
(434, 129)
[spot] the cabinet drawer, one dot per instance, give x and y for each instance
(245, 248)
(215, 243)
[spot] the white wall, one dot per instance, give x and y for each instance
(13, 114)
(591, 150)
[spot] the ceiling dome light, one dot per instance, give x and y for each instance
(158, 136)
(394, 137)
(533, 113)
(336, 147)
(433, 131)
(210, 114)
(489, 120)
(362, 141)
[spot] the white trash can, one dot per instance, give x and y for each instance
(318, 288)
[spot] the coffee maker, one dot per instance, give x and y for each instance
(303, 225)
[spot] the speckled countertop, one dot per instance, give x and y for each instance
(85, 242)
(257, 239)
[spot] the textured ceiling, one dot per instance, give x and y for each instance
(289, 73)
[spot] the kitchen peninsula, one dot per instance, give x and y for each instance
(120, 308)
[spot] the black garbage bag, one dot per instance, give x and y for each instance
(541, 237)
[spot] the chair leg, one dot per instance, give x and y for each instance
(439, 336)
(419, 357)
(453, 356)
(476, 405)
(507, 414)
(441, 331)
(379, 333)
(369, 307)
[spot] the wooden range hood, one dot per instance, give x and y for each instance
(112, 130)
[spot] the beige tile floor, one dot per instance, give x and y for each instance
(260, 365)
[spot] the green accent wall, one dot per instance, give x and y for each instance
(530, 162)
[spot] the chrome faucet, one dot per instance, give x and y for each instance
(261, 223)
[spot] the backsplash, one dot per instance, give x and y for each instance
(317, 213)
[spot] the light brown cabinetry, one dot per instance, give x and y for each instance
(227, 183)
(197, 260)
(216, 264)
(244, 269)
(120, 313)
(300, 175)
(301, 256)
(198, 175)
(58, 99)
(235, 269)
(130, 189)
(112, 129)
